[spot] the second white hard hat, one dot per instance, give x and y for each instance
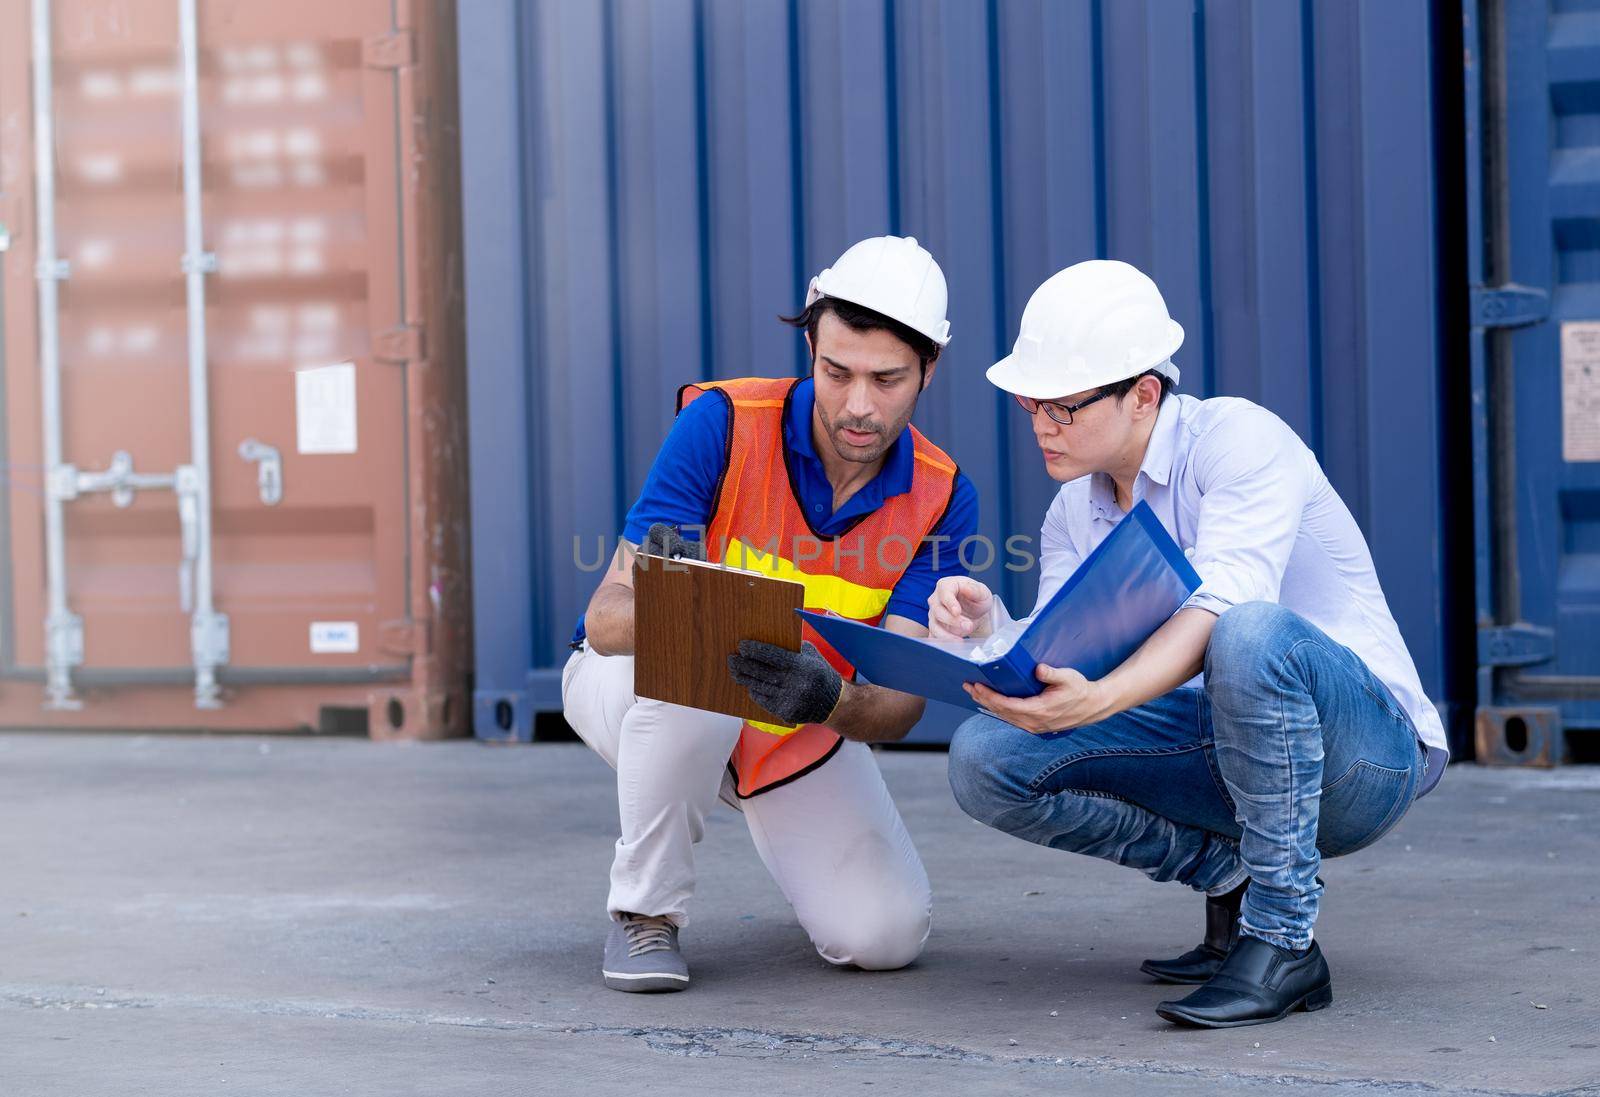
(893, 276)
(1090, 325)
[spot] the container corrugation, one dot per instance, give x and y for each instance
(328, 195)
(1533, 125)
(649, 185)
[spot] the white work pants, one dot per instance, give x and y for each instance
(832, 839)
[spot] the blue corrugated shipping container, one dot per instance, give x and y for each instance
(648, 185)
(1533, 128)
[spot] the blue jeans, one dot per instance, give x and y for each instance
(1292, 751)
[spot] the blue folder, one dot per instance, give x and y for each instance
(1124, 591)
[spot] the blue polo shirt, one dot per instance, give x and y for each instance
(682, 486)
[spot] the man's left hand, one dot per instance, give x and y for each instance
(1069, 701)
(798, 687)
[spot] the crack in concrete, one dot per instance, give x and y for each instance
(710, 1042)
(58, 1000)
(755, 1043)
(704, 1043)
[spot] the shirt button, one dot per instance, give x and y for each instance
(817, 508)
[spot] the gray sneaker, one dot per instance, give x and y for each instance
(642, 954)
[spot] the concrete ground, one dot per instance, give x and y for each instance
(291, 916)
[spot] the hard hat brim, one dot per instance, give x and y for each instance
(1013, 376)
(940, 337)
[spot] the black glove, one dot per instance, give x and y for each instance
(798, 687)
(663, 540)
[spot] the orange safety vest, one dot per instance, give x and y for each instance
(757, 523)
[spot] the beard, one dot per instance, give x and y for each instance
(886, 434)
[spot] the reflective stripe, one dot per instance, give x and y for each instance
(835, 592)
(774, 729)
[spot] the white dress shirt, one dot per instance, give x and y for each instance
(1256, 516)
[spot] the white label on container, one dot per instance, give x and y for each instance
(1580, 391)
(335, 638)
(325, 409)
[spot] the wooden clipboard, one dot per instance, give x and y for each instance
(689, 616)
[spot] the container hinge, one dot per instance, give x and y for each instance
(394, 50)
(205, 262)
(62, 483)
(405, 636)
(398, 345)
(1515, 645)
(1508, 306)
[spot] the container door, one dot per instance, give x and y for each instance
(1534, 175)
(307, 343)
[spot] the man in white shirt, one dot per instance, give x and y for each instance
(1309, 734)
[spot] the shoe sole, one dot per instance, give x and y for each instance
(644, 982)
(1176, 980)
(1317, 999)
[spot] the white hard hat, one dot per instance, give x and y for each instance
(893, 276)
(1092, 324)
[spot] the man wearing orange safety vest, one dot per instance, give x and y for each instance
(823, 480)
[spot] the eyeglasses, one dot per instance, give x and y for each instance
(1055, 409)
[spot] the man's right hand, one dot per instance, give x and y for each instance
(663, 540)
(959, 607)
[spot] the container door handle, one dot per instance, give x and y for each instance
(269, 471)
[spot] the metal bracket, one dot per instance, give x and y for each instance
(120, 480)
(205, 263)
(394, 50)
(186, 482)
(64, 634)
(62, 483)
(269, 473)
(398, 345)
(1508, 306)
(1515, 645)
(208, 639)
(52, 270)
(63, 637)
(405, 636)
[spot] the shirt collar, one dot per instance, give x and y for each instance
(895, 476)
(1162, 449)
(1159, 453)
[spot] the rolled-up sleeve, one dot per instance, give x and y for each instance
(1059, 555)
(1254, 476)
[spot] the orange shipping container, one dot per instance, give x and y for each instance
(232, 354)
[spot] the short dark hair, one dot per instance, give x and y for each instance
(1120, 389)
(857, 318)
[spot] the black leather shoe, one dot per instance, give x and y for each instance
(1202, 962)
(1258, 983)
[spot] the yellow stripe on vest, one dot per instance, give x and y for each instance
(822, 591)
(774, 729)
(833, 592)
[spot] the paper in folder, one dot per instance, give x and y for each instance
(1124, 591)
